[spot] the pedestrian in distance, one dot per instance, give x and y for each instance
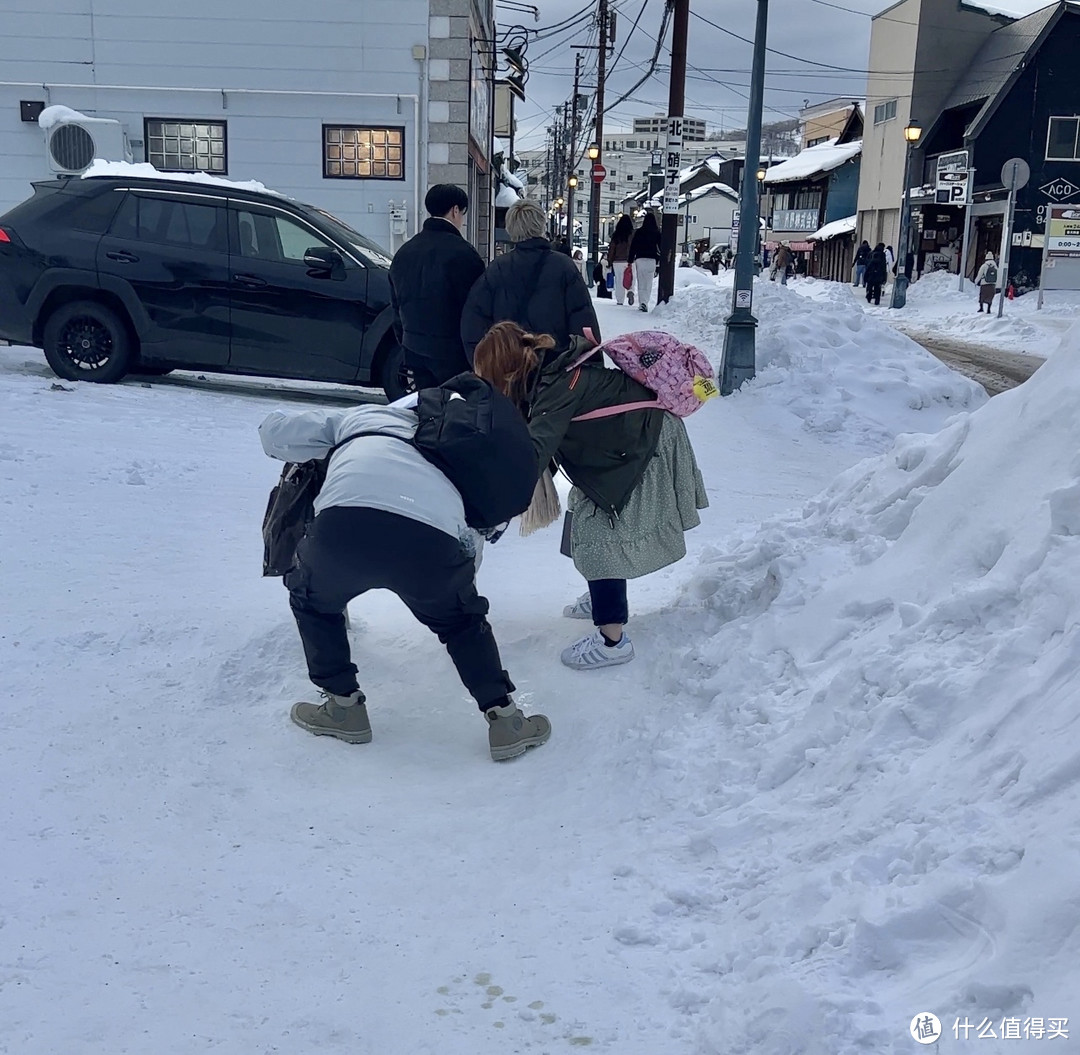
(862, 258)
(890, 258)
(619, 253)
(637, 486)
(540, 289)
(387, 518)
(877, 273)
(645, 257)
(781, 263)
(600, 273)
(430, 278)
(987, 281)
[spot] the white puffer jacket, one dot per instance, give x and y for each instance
(373, 472)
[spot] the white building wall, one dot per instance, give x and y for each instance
(274, 72)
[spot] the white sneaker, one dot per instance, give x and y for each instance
(580, 609)
(593, 651)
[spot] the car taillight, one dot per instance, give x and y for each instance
(4, 236)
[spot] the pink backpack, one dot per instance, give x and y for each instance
(680, 374)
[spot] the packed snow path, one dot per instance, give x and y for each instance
(808, 810)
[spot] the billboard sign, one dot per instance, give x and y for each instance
(952, 185)
(1063, 233)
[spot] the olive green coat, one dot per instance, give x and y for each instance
(605, 458)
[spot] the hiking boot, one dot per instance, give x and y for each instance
(344, 717)
(593, 652)
(510, 733)
(580, 609)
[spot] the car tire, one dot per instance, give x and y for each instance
(86, 341)
(394, 376)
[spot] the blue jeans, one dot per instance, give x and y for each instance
(860, 275)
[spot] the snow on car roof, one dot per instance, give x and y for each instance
(144, 170)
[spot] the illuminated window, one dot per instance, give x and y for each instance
(351, 152)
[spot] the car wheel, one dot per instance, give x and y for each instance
(86, 341)
(396, 378)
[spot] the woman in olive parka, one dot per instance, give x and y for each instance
(637, 486)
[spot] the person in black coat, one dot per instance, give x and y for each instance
(539, 289)
(877, 273)
(645, 257)
(430, 278)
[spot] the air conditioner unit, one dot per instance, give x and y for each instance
(72, 145)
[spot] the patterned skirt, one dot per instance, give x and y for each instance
(648, 534)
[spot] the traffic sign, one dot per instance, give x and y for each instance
(1015, 173)
(599, 173)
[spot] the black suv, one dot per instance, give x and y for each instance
(112, 274)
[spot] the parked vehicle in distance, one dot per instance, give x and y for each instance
(111, 274)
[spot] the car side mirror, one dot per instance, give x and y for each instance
(325, 261)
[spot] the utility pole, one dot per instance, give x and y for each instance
(669, 232)
(571, 183)
(740, 338)
(598, 142)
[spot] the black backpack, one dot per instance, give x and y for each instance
(990, 278)
(291, 508)
(479, 440)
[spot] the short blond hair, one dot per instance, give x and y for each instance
(525, 219)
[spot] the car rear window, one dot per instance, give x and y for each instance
(92, 214)
(172, 221)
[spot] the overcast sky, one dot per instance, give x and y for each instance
(816, 30)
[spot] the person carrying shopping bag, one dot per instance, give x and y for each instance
(619, 254)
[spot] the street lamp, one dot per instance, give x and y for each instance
(572, 182)
(593, 151)
(912, 134)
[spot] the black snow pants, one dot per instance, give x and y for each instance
(348, 551)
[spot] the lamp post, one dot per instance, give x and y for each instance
(558, 204)
(593, 254)
(571, 185)
(912, 132)
(761, 197)
(739, 363)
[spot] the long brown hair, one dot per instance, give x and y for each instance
(507, 356)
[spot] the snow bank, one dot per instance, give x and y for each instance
(841, 371)
(876, 731)
(53, 115)
(144, 170)
(936, 306)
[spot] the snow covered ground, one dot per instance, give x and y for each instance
(936, 308)
(838, 787)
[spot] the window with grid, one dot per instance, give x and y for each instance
(186, 146)
(1063, 139)
(352, 152)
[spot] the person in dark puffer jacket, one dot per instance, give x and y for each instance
(539, 289)
(430, 277)
(645, 257)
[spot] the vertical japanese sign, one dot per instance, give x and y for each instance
(673, 164)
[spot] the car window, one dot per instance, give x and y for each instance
(169, 221)
(276, 238)
(92, 213)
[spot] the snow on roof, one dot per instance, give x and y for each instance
(53, 115)
(144, 170)
(814, 160)
(710, 188)
(834, 229)
(1008, 8)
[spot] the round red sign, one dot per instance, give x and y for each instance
(599, 173)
